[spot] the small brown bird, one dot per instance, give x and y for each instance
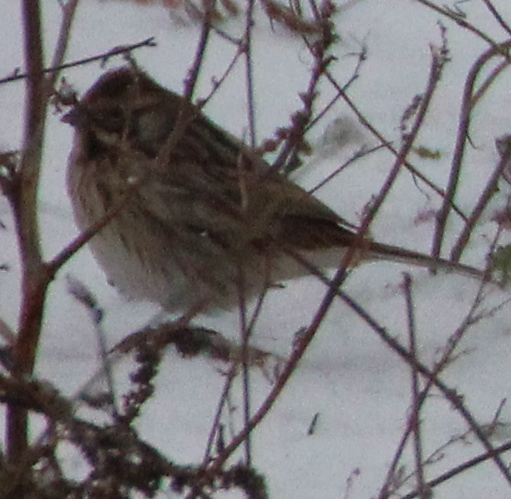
(202, 217)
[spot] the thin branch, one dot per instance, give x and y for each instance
(69, 11)
(490, 190)
(437, 62)
(245, 334)
(7, 333)
(491, 78)
(249, 73)
(244, 329)
(301, 121)
(215, 427)
(359, 154)
(361, 58)
(457, 470)
(463, 131)
(450, 394)
(149, 42)
(430, 375)
(388, 144)
(459, 19)
(193, 73)
(416, 395)
(84, 296)
(496, 14)
(217, 82)
(64, 255)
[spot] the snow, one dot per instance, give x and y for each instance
(359, 388)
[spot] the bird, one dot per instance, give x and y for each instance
(201, 218)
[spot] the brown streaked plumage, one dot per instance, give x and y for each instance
(205, 208)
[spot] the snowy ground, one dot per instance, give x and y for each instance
(359, 388)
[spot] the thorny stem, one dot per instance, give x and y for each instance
(288, 159)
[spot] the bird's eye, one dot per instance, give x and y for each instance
(111, 120)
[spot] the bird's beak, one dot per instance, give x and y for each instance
(74, 117)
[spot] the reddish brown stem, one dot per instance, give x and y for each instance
(24, 203)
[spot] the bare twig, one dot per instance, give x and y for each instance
(65, 254)
(457, 470)
(448, 393)
(245, 331)
(359, 154)
(215, 427)
(149, 42)
(361, 58)
(459, 19)
(69, 10)
(416, 395)
(463, 131)
(430, 375)
(489, 191)
(217, 83)
(302, 120)
(84, 296)
(249, 72)
(490, 79)
(438, 59)
(496, 14)
(193, 73)
(388, 144)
